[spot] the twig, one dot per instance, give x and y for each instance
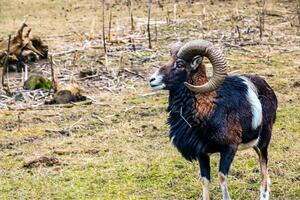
(19, 121)
(155, 28)
(120, 60)
(103, 28)
(262, 20)
(5, 86)
(76, 50)
(239, 47)
(109, 25)
(22, 75)
(184, 118)
(148, 24)
(88, 77)
(52, 69)
(151, 94)
(133, 44)
(175, 13)
(54, 84)
(134, 73)
(160, 5)
(131, 15)
(298, 13)
(168, 17)
(239, 32)
(75, 59)
(130, 108)
(97, 102)
(26, 72)
(70, 127)
(55, 106)
(97, 117)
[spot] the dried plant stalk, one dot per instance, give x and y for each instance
(262, 20)
(103, 23)
(109, 25)
(156, 32)
(175, 13)
(148, 24)
(131, 16)
(298, 12)
(5, 69)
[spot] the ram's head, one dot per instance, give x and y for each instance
(185, 61)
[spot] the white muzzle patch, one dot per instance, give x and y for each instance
(156, 81)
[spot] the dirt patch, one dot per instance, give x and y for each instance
(41, 161)
(75, 151)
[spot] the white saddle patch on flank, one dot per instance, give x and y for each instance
(256, 108)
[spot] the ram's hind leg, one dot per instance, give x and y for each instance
(265, 179)
(262, 151)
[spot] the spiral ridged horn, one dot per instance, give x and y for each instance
(175, 47)
(215, 56)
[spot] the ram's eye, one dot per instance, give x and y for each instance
(179, 64)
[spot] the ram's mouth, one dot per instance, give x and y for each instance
(156, 81)
(158, 86)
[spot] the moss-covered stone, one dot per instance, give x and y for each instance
(37, 82)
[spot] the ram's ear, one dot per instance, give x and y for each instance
(197, 60)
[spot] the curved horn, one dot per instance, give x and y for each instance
(215, 56)
(175, 47)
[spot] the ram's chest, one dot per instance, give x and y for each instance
(187, 139)
(205, 105)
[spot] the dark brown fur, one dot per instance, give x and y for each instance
(204, 104)
(235, 132)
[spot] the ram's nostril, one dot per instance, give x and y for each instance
(152, 79)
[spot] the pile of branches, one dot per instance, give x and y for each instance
(21, 49)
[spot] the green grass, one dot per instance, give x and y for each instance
(129, 156)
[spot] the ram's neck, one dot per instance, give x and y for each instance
(196, 107)
(181, 104)
(199, 77)
(182, 97)
(204, 103)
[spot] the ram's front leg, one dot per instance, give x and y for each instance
(205, 175)
(227, 155)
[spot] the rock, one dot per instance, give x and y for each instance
(19, 97)
(296, 84)
(66, 96)
(87, 72)
(37, 82)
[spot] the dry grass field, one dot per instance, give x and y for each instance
(118, 146)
